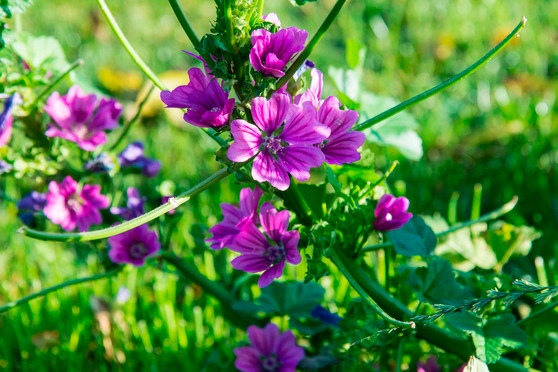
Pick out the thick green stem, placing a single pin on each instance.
(446, 84)
(184, 23)
(315, 39)
(485, 217)
(223, 295)
(44, 292)
(441, 338)
(345, 265)
(128, 225)
(126, 44)
(48, 89)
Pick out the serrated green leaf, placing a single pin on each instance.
(415, 238)
(42, 52)
(9, 7)
(293, 299)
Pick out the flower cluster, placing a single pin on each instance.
(269, 350)
(264, 251)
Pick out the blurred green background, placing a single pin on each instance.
(496, 129)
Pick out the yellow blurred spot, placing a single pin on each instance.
(118, 81)
(445, 46)
(171, 79)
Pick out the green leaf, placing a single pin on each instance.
(398, 131)
(437, 284)
(9, 7)
(40, 52)
(508, 240)
(293, 299)
(355, 53)
(314, 195)
(415, 238)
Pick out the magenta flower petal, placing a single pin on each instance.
(339, 121)
(314, 93)
(302, 126)
(267, 168)
(274, 224)
(248, 140)
(274, 272)
(297, 160)
(290, 242)
(247, 359)
(250, 240)
(6, 131)
(269, 115)
(265, 341)
(343, 149)
(290, 356)
(250, 263)
(272, 18)
(272, 52)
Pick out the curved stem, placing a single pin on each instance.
(44, 292)
(315, 39)
(440, 87)
(48, 89)
(128, 225)
(485, 217)
(343, 264)
(223, 295)
(128, 125)
(126, 44)
(184, 23)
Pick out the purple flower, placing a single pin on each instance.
(6, 119)
(69, 207)
(282, 139)
(5, 167)
(342, 144)
(225, 231)
(314, 93)
(132, 156)
(266, 252)
(325, 316)
(29, 205)
(270, 350)
(431, 365)
(271, 52)
(207, 102)
(102, 163)
(82, 118)
(134, 246)
(134, 205)
(391, 213)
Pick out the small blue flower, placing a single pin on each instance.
(325, 316)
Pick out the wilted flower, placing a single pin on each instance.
(102, 163)
(132, 156)
(207, 102)
(226, 230)
(82, 118)
(270, 350)
(282, 139)
(266, 252)
(391, 213)
(272, 52)
(134, 246)
(29, 205)
(134, 205)
(69, 207)
(6, 119)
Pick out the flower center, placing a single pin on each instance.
(75, 203)
(389, 217)
(273, 144)
(276, 254)
(270, 363)
(215, 109)
(137, 250)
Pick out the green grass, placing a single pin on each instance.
(505, 145)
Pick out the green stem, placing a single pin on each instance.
(48, 89)
(126, 44)
(486, 217)
(387, 258)
(128, 225)
(537, 313)
(345, 266)
(44, 292)
(260, 8)
(184, 23)
(223, 295)
(229, 26)
(446, 340)
(128, 125)
(315, 39)
(446, 84)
